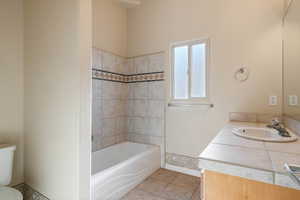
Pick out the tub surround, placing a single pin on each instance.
(255, 160)
(128, 99)
(146, 103)
(109, 102)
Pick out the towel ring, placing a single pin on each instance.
(242, 74)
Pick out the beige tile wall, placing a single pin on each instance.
(109, 102)
(128, 111)
(146, 103)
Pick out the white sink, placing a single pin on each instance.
(263, 134)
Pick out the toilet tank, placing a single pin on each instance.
(6, 163)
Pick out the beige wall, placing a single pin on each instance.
(85, 144)
(110, 26)
(11, 80)
(292, 59)
(57, 102)
(242, 33)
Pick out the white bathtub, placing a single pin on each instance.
(118, 169)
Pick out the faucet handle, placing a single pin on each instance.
(275, 122)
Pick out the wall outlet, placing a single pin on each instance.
(273, 100)
(293, 100)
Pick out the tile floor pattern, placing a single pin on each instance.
(166, 185)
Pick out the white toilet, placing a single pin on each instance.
(6, 167)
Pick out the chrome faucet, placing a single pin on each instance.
(275, 124)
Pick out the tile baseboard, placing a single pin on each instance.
(182, 161)
(29, 193)
(253, 117)
(183, 170)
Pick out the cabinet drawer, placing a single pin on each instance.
(217, 186)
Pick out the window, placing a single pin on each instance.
(189, 70)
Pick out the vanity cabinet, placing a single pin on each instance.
(217, 186)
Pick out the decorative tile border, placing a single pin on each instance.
(145, 77)
(182, 161)
(29, 193)
(124, 78)
(253, 117)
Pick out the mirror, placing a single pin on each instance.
(291, 61)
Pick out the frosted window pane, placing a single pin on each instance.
(198, 75)
(181, 72)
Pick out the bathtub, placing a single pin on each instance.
(118, 169)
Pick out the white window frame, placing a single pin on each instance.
(191, 43)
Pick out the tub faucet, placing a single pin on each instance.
(275, 124)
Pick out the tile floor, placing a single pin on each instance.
(166, 185)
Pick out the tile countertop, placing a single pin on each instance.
(231, 150)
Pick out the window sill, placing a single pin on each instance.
(190, 104)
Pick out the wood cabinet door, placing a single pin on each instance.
(219, 186)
